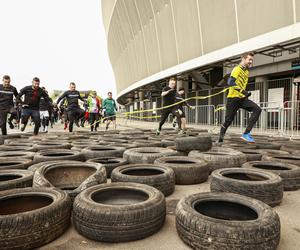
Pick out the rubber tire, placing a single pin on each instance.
(45, 145)
(110, 163)
(20, 163)
(24, 180)
(180, 153)
(164, 182)
(16, 148)
(42, 155)
(90, 153)
(290, 177)
(186, 174)
(140, 155)
(204, 232)
(31, 229)
(111, 223)
(219, 157)
(252, 154)
(267, 145)
(98, 177)
(200, 143)
(272, 152)
(269, 191)
(290, 159)
(18, 154)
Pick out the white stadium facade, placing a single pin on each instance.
(200, 41)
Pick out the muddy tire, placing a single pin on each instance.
(271, 152)
(110, 163)
(261, 185)
(159, 177)
(140, 212)
(17, 154)
(290, 159)
(9, 163)
(187, 170)
(147, 154)
(32, 217)
(10, 179)
(268, 145)
(252, 154)
(290, 174)
(220, 157)
(16, 148)
(227, 221)
(72, 177)
(57, 155)
(102, 151)
(51, 145)
(200, 143)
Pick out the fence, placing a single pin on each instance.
(276, 118)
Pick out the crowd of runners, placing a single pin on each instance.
(33, 102)
(32, 105)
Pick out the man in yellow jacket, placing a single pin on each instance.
(238, 98)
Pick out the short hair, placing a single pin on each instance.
(249, 53)
(6, 77)
(109, 93)
(173, 78)
(36, 79)
(72, 83)
(180, 89)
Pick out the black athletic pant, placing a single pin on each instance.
(94, 117)
(73, 114)
(35, 116)
(232, 106)
(165, 114)
(3, 119)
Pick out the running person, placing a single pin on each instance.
(7, 93)
(30, 108)
(179, 98)
(74, 112)
(238, 98)
(45, 106)
(94, 106)
(168, 95)
(109, 109)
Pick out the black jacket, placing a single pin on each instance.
(45, 104)
(32, 97)
(72, 98)
(7, 96)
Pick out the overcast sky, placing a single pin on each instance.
(58, 41)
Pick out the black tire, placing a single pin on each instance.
(102, 151)
(179, 153)
(72, 177)
(267, 145)
(16, 148)
(290, 159)
(57, 155)
(159, 177)
(110, 163)
(19, 163)
(272, 152)
(32, 217)
(10, 179)
(220, 157)
(200, 143)
(290, 174)
(187, 170)
(252, 154)
(147, 143)
(147, 154)
(17, 154)
(140, 212)
(51, 145)
(227, 221)
(261, 185)
(167, 143)
(290, 147)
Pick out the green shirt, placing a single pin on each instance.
(110, 106)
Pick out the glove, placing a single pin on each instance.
(246, 93)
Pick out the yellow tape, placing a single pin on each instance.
(174, 104)
(219, 109)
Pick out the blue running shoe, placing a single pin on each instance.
(248, 138)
